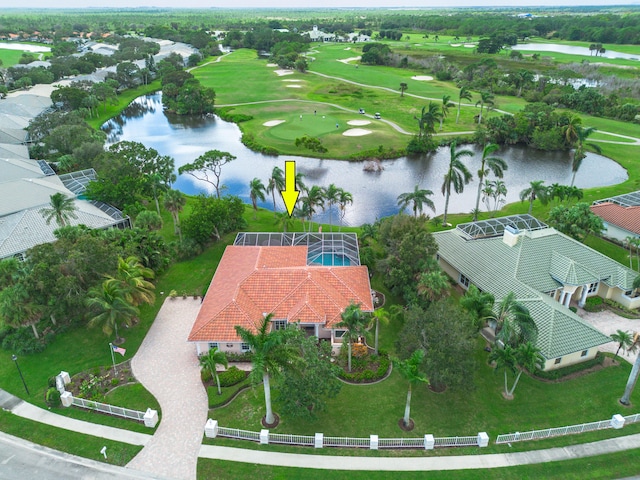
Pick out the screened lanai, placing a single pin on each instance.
(495, 227)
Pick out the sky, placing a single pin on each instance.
(314, 3)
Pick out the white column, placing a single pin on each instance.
(562, 295)
(567, 300)
(583, 297)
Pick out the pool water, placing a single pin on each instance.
(330, 259)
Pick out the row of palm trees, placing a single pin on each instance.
(312, 198)
(457, 176)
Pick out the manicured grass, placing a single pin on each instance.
(615, 465)
(79, 444)
(9, 57)
(227, 393)
(133, 396)
(124, 99)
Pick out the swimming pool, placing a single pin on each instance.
(330, 259)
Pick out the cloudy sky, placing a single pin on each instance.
(310, 3)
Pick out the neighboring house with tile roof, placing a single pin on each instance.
(546, 270)
(281, 276)
(620, 215)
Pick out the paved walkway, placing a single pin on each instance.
(168, 367)
(608, 322)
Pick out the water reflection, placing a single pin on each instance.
(374, 194)
(571, 50)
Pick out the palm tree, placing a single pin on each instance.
(629, 242)
(410, 371)
(313, 199)
(61, 208)
(269, 355)
(570, 130)
(623, 339)
(111, 306)
(464, 94)
(211, 360)
(444, 108)
(133, 276)
(457, 175)
(512, 323)
(486, 98)
(579, 153)
(505, 359)
(535, 190)
(275, 182)
(331, 195)
(522, 77)
(433, 285)
(379, 315)
(344, 199)
(427, 119)
(419, 197)
(479, 304)
(174, 202)
(283, 220)
(633, 375)
(489, 164)
(526, 357)
(17, 310)
(403, 87)
(256, 192)
(353, 320)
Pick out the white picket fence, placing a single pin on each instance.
(110, 409)
(212, 430)
(616, 422)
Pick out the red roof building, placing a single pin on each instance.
(253, 281)
(620, 221)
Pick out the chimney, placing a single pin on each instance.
(511, 235)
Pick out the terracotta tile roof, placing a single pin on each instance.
(627, 218)
(251, 281)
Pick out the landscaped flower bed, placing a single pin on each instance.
(366, 367)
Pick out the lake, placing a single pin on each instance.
(554, 47)
(374, 194)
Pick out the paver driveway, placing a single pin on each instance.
(608, 322)
(168, 367)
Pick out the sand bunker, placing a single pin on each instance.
(348, 60)
(293, 86)
(356, 132)
(283, 72)
(291, 80)
(273, 123)
(358, 123)
(348, 48)
(422, 78)
(469, 46)
(456, 44)
(272, 64)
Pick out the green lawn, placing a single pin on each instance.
(9, 57)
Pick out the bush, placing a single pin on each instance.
(114, 382)
(239, 357)
(232, 376)
(205, 375)
(573, 309)
(578, 367)
(53, 397)
(593, 304)
(22, 342)
(51, 382)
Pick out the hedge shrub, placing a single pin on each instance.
(578, 367)
(232, 376)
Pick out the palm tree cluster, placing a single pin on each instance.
(545, 193)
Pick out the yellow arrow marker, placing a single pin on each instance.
(290, 194)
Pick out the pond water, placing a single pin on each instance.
(25, 47)
(554, 47)
(374, 194)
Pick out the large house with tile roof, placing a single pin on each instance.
(620, 215)
(546, 270)
(303, 278)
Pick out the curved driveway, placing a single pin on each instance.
(166, 364)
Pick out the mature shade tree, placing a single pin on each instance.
(486, 98)
(257, 192)
(111, 307)
(479, 304)
(444, 108)
(464, 94)
(344, 198)
(302, 391)
(512, 322)
(579, 153)
(418, 198)
(209, 163)
(270, 354)
(525, 357)
(410, 371)
(457, 175)
(488, 164)
(353, 321)
(61, 207)
(211, 217)
(403, 88)
(577, 221)
(275, 182)
(211, 360)
(535, 190)
(174, 202)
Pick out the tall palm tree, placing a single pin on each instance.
(489, 164)
(464, 94)
(403, 87)
(256, 192)
(486, 98)
(427, 120)
(505, 359)
(284, 220)
(269, 355)
(61, 208)
(526, 357)
(110, 304)
(344, 198)
(275, 182)
(410, 371)
(433, 285)
(570, 130)
(133, 276)
(579, 153)
(457, 175)
(419, 197)
(353, 320)
(174, 202)
(331, 195)
(17, 309)
(522, 77)
(378, 315)
(623, 339)
(536, 189)
(633, 375)
(512, 322)
(444, 108)
(211, 360)
(313, 199)
(479, 304)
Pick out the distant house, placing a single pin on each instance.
(546, 270)
(303, 278)
(319, 36)
(620, 214)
